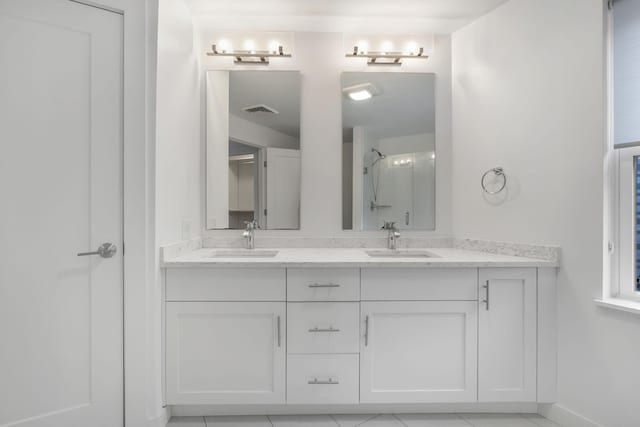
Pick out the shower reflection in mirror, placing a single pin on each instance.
(388, 124)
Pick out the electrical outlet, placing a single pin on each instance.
(186, 229)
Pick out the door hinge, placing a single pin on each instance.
(265, 163)
(265, 212)
(122, 248)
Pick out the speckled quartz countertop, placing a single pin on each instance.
(351, 257)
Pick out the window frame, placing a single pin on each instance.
(620, 197)
(624, 285)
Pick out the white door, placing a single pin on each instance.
(225, 352)
(283, 189)
(507, 335)
(418, 352)
(60, 194)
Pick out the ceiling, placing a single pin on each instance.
(405, 106)
(279, 90)
(466, 10)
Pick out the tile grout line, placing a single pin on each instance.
(204, 420)
(463, 419)
(372, 417)
(269, 419)
(399, 420)
(334, 420)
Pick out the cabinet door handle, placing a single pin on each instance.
(331, 329)
(331, 381)
(366, 331)
(486, 300)
(279, 333)
(324, 285)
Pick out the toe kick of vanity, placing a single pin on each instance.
(405, 335)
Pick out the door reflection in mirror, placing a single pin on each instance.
(253, 149)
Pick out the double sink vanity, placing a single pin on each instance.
(350, 326)
(314, 323)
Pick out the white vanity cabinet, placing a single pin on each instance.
(507, 335)
(349, 336)
(418, 351)
(220, 350)
(420, 335)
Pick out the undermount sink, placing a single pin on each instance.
(389, 253)
(244, 253)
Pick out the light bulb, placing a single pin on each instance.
(224, 45)
(274, 45)
(386, 46)
(363, 47)
(250, 46)
(411, 48)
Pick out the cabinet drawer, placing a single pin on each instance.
(323, 327)
(313, 284)
(225, 284)
(322, 378)
(406, 284)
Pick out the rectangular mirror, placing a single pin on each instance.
(253, 149)
(388, 150)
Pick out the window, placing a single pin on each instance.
(624, 48)
(628, 253)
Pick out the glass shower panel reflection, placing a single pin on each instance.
(394, 190)
(389, 150)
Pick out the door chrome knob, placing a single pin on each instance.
(106, 250)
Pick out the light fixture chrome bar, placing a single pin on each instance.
(384, 58)
(260, 57)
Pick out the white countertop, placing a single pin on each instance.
(339, 257)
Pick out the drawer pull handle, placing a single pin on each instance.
(486, 301)
(330, 381)
(366, 331)
(324, 285)
(331, 329)
(279, 333)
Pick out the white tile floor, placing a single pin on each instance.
(395, 420)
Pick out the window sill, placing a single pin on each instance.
(620, 304)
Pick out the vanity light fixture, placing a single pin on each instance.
(385, 58)
(388, 49)
(361, 92)
(250, 56)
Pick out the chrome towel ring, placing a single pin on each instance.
(498, 172)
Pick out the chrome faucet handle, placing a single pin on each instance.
(251, 225)
(389, 225)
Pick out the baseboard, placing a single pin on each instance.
(565, 416)
(205, 410)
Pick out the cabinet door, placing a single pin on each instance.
(507, 335)
(225, 352)
(418, 351)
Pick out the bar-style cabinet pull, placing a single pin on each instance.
(316, 381)
(366, 331)
(331, 329)
(324, 285)
(279, 333)
(486, 300)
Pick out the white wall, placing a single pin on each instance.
(178, 159)
(320, 59)
(179, 149)
(407, 143)
(256, 134)
(528, 95)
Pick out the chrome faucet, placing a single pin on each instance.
(249, 232)
(393, 234)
